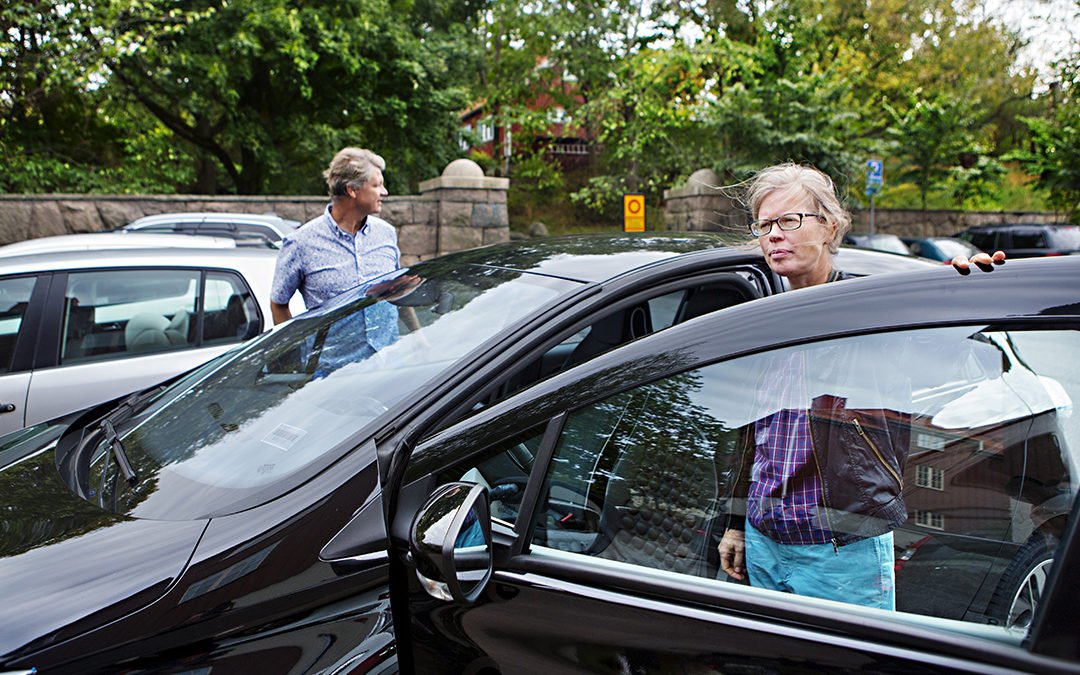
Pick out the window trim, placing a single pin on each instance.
(728, 603)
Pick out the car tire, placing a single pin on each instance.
(1017, 596)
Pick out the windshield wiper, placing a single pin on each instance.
(117, 449)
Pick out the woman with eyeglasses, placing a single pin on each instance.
(816, 497)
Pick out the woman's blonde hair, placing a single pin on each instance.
(810, 182)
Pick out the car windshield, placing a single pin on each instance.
(251, 424)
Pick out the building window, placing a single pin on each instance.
(464, 140)
(487, 130)
(930, 519)
(929, 477)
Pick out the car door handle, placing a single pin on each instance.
(7, 407)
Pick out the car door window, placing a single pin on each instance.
(116, 313)
(14, 300)
(959, 444)
(629, 321)
(230, 312)
(1028, 239)
(504, 468)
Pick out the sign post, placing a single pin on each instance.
(875, 176)
(633, 213)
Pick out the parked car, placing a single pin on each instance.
(82, 326)
(110, 240)
(890, 243)
(1025, 240)
(534, 480)
(940, 248)
(248, 229)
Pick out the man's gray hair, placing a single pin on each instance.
(351, 167)
(791, 177)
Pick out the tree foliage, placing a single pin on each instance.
(254, 96)
(257, 94)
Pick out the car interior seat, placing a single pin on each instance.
(611, 331)
(715, 296)
(177, 330)
(659, 508)
(146, 331)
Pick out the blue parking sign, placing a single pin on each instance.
(874, 172)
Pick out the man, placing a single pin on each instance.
(346, 245)
(811, 526)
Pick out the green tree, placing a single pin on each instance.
(928, 138)
(252, 95)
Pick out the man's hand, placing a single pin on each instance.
(733, 554)
(396, 288)
(984, 261)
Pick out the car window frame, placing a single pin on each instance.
(47, 347)
(34, 329)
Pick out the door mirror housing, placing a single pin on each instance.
(450, 543)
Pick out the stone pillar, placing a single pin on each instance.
(470, 207)
(702, 206)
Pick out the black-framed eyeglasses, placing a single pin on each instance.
(786, 222)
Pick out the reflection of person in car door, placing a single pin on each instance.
(784, 542)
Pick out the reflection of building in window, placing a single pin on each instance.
(929, 477)
(934, 521)
(929, 441)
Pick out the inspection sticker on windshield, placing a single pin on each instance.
(284, 436)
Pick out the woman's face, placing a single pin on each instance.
(801, 255)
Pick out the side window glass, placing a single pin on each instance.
(629, 323)
(230, 313)
(1030, 239)
(937, 486)
(504, 468)
(128, 312)
(14, 299)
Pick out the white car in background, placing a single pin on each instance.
(81, 326)
(247, 229)
(103, 240)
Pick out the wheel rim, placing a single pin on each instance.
(1027, 596)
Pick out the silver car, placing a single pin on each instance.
(79, 327)
(248, 229)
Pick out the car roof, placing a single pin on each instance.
(998, 226)
(136, 257)
(598, 257)
(225, 216)
(112, 240)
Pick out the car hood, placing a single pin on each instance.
(67, 566)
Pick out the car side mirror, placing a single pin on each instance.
(450, 543)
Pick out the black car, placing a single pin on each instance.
(535, 480)
(1025, 240)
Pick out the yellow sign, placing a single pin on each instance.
(633, 213)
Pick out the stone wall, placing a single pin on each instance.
(701, 206)
(461, 209)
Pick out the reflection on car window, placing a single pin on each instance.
(965, 450)
(280, 404)
(14, 299)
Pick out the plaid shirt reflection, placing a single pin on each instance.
(785, 489)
